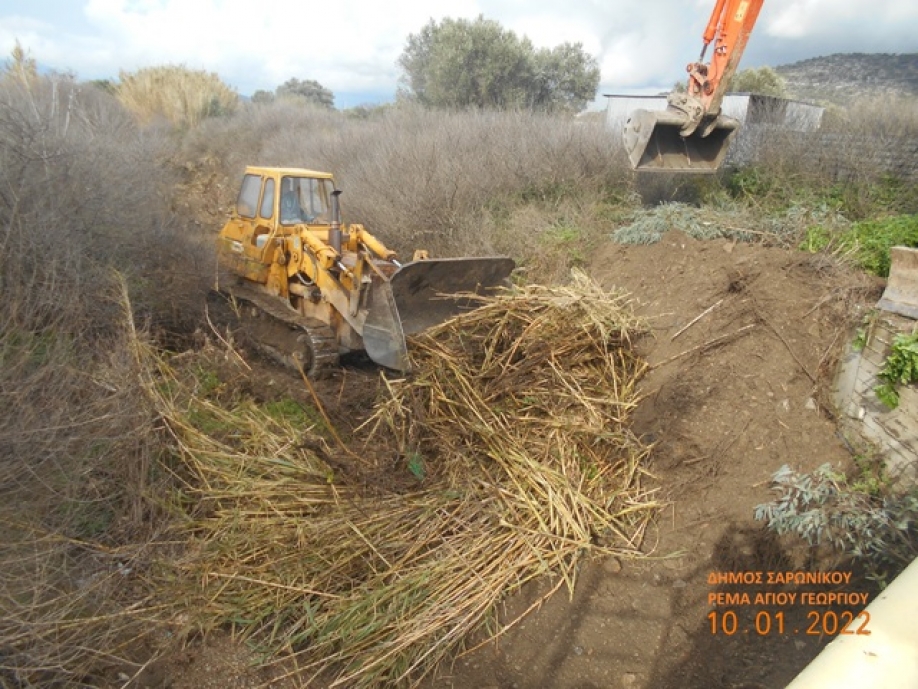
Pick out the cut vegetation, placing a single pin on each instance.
(516, 460)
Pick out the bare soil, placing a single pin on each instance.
(730, 398)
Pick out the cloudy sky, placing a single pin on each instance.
(351, 46)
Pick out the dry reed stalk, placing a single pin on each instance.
(518, 416)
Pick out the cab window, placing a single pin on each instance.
(247, 201)
(267, 200)
(304, 199)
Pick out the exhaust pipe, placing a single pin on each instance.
(654, 142)
(334, 231)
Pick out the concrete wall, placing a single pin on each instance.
(886, 658)
(618, 107)
(851, 155)
(894, 431)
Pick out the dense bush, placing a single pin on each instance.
(763, 80)
(862, 519)
(83, 224)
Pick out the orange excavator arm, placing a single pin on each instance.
(691, 135)
(728, 29)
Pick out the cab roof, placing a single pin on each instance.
(286, 171)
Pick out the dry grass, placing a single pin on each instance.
(75, 613)
(80, 197)
(515, 429)
(76, 471)
(179, 95)
(503, 469)
(423, 179)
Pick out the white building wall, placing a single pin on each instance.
(745, 107)
(618, 107)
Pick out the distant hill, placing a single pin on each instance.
(840, 77)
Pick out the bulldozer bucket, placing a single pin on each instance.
(423, 294)
(426, 292)
(653, 142)
(901, 294)
(383, 336)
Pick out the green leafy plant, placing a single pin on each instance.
(866, 242)
(416, 466)
(871, 523)
(901, 368)
(567, 240)
(871, 476)
(862, 336)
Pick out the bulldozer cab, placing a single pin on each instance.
(245, 238)
(305, 200)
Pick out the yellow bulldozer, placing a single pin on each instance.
(319, 288)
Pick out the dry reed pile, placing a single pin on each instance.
(515, 425)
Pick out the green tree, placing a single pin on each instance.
(460, 63)
(564, 78)
(263, 97)
(106, 85)
(309, 90)
(763, 80)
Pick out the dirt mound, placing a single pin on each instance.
(744, 343)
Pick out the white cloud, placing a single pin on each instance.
(348, 45)
(353, 45)
(816, 19)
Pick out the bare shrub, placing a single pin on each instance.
(76, 471)
(856, 159)
(429, 178)
(896, 116)
(80, 197)
(422, 178)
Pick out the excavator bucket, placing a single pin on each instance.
(901, 295)
(653, 142)
(422, 294)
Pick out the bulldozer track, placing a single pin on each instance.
(278, 332)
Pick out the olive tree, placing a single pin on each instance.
(458, 63)
(763, 80)
(309, 90)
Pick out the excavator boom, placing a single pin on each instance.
(692, 135)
